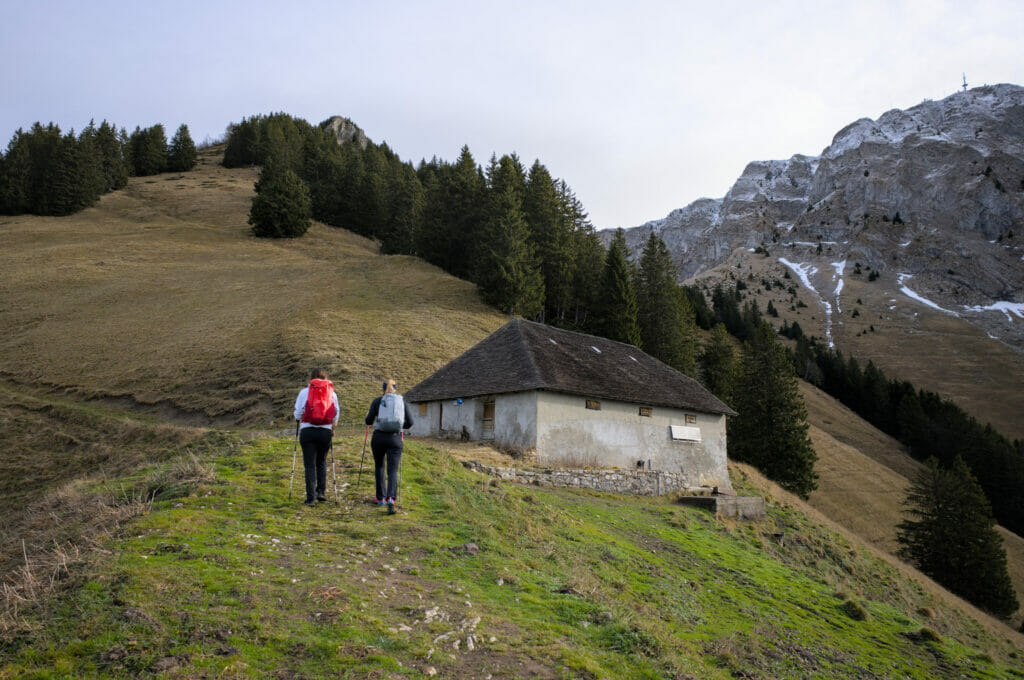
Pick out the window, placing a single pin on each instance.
(423, 408)
(645, 411)
(691, 420)
(593, 405)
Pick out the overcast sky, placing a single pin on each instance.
(642, 107)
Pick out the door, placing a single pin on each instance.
(487, 431)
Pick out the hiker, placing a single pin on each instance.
(389, 415)
(317, 411)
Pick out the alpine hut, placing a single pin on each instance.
(576, 400)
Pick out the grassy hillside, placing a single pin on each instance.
(158, 297)
(474, 578)
(863, 478)
(152, 345)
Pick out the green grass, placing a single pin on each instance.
(231, 579)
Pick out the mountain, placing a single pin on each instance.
(931, 198)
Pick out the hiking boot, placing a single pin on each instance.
(378, 501)
(322, 498)
(310, 502)
(391, 506)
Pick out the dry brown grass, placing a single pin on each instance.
(863, 478)
(774, 493)
(160, 297)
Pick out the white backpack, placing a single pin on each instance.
(391, 414)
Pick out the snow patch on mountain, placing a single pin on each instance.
(804, 272)
(1006, 308)
(914, 296)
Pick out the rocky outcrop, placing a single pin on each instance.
(344, 130)
(936, 191)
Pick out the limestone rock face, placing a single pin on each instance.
(344, 130)
(935, 191)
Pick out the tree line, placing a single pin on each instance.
(46, 172)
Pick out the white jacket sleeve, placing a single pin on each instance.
(337, 408)
(300, 403)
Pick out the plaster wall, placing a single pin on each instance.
(515, 419)
(447, 418)
(569, 434)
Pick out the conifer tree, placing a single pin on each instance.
(453, 216)
(112, 156)
(281, 207)
(15, 167)
(552, 231)
(148, 150)
(667, 327)
(588, 266)
(719, 365)
(771, 429)
(181, 155)
(405, 209)
(950, 535)
(508, 276)
(617, 309)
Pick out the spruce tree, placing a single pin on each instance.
(617, 309)
(281, 207)
(148, 150)
(589, 257)
(453, 215)
(552, 231)
(719, 365)
(181, 155)
(771, 429)
(112, 156)
(667, 327)
(15, 168)
(509, 277)
(950, 535)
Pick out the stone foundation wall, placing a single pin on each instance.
(634, 482)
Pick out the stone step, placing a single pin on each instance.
(728, 507)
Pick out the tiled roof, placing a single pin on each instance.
(523, 355)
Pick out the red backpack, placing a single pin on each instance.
(319, 403)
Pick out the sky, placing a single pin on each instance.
(641, 107)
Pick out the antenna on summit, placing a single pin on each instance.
(965, 82)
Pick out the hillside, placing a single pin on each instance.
(154, 344)
(224, 577)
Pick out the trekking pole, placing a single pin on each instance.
(401, 466)
(362, 457)
(334, 471)
(294, 450)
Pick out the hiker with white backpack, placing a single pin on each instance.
(317, 411)
(389, 415)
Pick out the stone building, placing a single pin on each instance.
(577, 401)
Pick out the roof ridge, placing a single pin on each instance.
(529, 352)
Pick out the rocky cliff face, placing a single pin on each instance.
(344, 130)
(935, 192)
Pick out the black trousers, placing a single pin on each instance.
(387, 449)
(315, 443)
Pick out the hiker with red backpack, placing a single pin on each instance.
(389, 415)
(317, 411)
